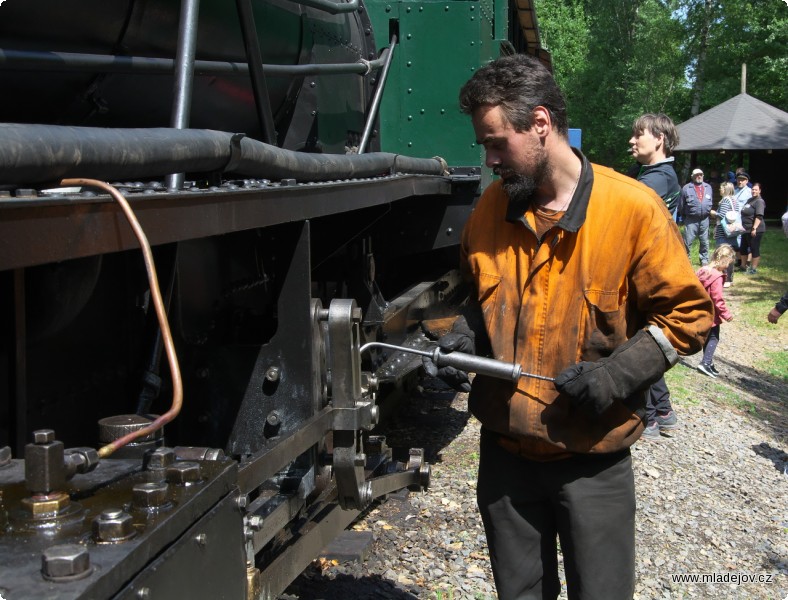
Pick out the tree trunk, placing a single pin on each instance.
(703, 44)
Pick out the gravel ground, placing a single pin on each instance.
(712, 499)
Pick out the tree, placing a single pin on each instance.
(614, 59)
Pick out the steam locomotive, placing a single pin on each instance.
(207, 213)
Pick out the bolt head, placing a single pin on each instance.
(43, 436)
(113, 525)
(65, 561)
(149, 495)
(161, 458)
(183, 472)
(272, 374)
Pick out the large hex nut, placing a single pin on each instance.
(183, 472)
(113, 526)
(150, 495)
(65, 562)
(46, 506)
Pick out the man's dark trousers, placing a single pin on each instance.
(587, 500)
(658, 401)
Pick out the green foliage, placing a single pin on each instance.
(616, 59)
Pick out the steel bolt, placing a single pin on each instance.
(43, 436)
(273, 419)
(65, 561)
(113, 525)
(183, 472)
(272, 374)
(161, 458)
(149, 495)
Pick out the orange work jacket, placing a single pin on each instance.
(615, 263)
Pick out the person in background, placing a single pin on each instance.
(573, 276)
(653, 138)
(743, 190)
(695, 205)
(754, 228)
(782, 305)
(727, 204)
(712, 277)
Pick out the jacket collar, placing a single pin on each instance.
(576, 213)
(658, 164)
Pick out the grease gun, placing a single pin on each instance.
(465, 362)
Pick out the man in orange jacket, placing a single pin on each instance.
(574, 272)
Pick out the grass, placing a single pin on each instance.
(750, 299)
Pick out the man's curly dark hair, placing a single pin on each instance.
(518, 84)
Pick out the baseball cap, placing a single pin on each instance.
(697, 172)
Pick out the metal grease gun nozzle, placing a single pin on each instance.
(465, 362)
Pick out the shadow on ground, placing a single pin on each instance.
(767, 393)
(425, 419)
(314, 585)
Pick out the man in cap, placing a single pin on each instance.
(694, 208)
(743, 191)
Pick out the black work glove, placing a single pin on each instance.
(632, 367)
(459, 339)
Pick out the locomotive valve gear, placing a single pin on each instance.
(461, 339)
(631, 368)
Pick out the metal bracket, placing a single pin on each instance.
(344, 319)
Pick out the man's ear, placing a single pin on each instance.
(542, 121)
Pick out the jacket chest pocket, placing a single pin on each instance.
(488, 287)
(604, 323)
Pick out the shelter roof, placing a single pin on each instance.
(741, 123)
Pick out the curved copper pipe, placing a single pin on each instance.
(158, 303)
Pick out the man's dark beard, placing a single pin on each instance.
(520, 188)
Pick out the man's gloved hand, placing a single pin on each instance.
(632, 367)
(459, 339)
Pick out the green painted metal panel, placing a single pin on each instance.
(441, 45)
